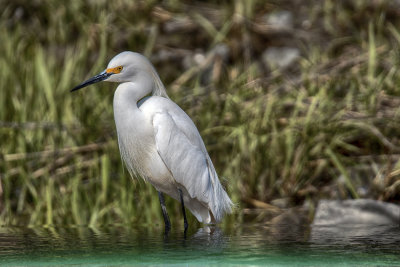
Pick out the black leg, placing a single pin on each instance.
(185, 223)
(164, 212)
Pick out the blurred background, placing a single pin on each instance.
(296, 101)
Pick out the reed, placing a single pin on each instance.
(326, 127)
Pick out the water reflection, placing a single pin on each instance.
(355, 234)
(242, 244)
(16, 240)
(208, 237)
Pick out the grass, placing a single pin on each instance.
(326, 127)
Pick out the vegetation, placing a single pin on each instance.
(326, 126)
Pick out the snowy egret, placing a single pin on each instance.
(159, 142)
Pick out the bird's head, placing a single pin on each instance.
(122, 68)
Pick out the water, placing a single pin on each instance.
(240, 246)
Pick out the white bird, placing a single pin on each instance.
(159, 142)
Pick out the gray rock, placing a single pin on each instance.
(198, 58)
(280, 202)
(195, 59)
(361, 221)
(280, 20)
(280, 57)
(221, 50)
(358, 211)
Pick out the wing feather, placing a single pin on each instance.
(186, 161)
(180, 146)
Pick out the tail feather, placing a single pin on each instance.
(215, 205)
(220, 203)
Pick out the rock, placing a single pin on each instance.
(221, 50)
(194, 59)
(292, 224)
(280, 20)
(361, 221)
(280, 57)
(199, 57)
(358, 211)
(281, 202)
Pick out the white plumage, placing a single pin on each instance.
(159, 142)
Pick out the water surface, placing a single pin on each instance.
(209, 246)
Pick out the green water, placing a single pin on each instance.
(240, 246)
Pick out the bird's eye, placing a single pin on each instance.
(120, 68)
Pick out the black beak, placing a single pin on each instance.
(98, 78)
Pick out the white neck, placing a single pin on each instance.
(132, 92)
(127, 115)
